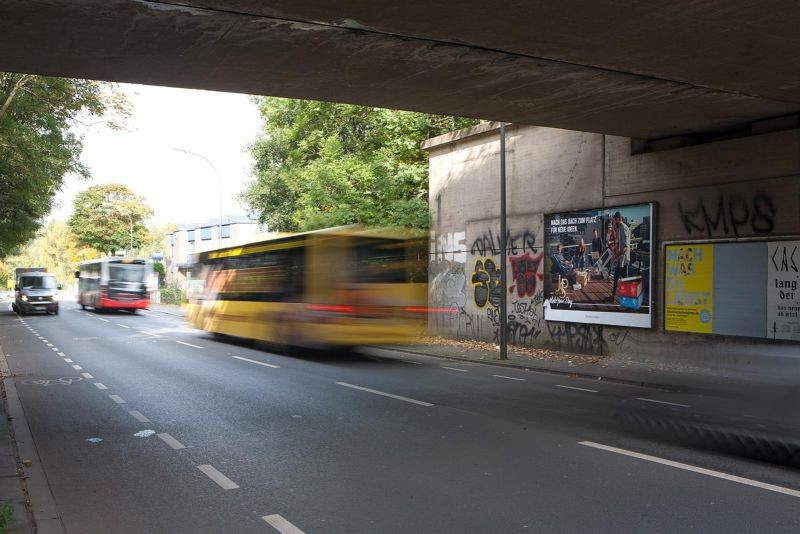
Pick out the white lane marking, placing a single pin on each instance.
(257, 363)
(148, 333)
(509, 378)
(223, 481)
(695, 469)
(384, 394)
(189, 345)
(139, 416)
(117, 399)
(104, 320)
(49, 344)
(412, 363)
(455, 369)
(77, 367)
(55, 349)
(663, 402)
(87, 375)
(172, 442)
(122, 325)
(576, 389)
(99, 385)
(61, 354)
(68, 360)
(280, 524)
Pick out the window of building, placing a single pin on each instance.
(205, 233)
(226, 230)
(190, 233)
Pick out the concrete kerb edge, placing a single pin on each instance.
(571, 374)
(40, 500)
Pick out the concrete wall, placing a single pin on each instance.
(551, 170)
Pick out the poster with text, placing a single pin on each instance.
(597, 266)
(783, 299)
(688, 288)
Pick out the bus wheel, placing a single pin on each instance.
(83, 306)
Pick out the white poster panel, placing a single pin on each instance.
(783, 290)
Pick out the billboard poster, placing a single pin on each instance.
(783, 293)
(597, 266)
(688, 286)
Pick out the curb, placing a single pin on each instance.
(41, 505)
(572, 374)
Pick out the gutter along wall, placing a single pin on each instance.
(744, 192)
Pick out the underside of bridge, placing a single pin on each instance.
(637, 69)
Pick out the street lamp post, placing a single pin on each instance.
(219, 185)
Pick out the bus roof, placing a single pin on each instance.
(291, 240)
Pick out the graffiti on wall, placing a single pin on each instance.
(486, 284)
(488, 243)
(525, 274)
(577, 337)
(729, 214)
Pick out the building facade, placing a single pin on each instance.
(208, 235)
(712, 233)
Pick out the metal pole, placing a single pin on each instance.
(131, 221)
(503, 254)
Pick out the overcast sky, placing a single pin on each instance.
(180, 188)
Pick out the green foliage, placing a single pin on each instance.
(6, 516)
(319, 164)
(158, 267)
(37, 146)
(103, 216)
(172, 294)
(54, 247)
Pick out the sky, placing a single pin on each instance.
(181, 188)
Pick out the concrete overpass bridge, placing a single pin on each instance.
(618, 67)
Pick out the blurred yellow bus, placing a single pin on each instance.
(340, 287)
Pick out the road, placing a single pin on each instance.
(143, 424)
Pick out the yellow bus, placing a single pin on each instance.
(341, 287)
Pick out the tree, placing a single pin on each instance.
(104, 215)
(55, 248)
(319, 164)
(37, 147)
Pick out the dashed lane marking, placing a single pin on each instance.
(148, 333)
(576, 389)
(509, 378)
(384, 394)
(189, 345)
(694, 469)
(280, 524)
(104, 320)
(61, 354)
(117, 399)
(663, 402)
(139, 416)
(87, 376)
(77, 367)
(172, 442)
(98, 385)
(257, 362)
(68, 360)
(455, 369)
(223, 481)
(122, 325)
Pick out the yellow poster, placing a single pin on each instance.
(688, 288)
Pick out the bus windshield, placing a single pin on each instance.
(126, 272)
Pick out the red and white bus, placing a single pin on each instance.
(114, 284)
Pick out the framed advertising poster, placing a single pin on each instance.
(597, 266)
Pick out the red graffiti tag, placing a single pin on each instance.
(525, 273)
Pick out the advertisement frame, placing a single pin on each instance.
(610, 318)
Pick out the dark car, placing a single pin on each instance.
(36, 292)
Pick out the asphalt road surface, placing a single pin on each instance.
(143, 424)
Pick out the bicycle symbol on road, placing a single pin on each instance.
(63, 381)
